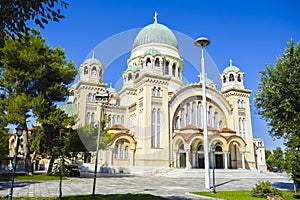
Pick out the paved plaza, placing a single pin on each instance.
(176, 184)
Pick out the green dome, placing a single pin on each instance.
(231, 68)
(152, 52)
(155, 33)
(209, 81)
(111, 90)
(92, 61)
(133, 68)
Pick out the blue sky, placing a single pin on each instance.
(252, 33)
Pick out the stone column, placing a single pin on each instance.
(132, 157)
(111, 156)
(175, 159)
(226, 159)
(187, 159)
(194, 158)
(243, 160)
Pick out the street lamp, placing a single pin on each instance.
(100, 98)
(202, 42)
(213, 149)
(19, 130)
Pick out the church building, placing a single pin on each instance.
(157, 120)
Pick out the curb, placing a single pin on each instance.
(201, 196)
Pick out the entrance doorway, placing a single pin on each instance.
(201, 160)
(219, 161)
(182, 160)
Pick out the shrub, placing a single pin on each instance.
(264, 190)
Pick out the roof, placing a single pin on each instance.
(155, 33)
(227, 130)
(118, 127)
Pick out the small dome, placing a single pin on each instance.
(231, 68)
(152, 52)
(155, 33)
(209, 81)
(69, 109)
(133, 68)
(111, 89)
(92, 60)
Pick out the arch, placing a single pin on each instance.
(125, 137)
(239, 79)
(129, 76)
(231, 77)
(156, 62)
(167, 67)
(85, 71)
(148, 62)
(174, 69)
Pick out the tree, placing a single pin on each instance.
(34, 78)
(15, 15)
(278, 100)
(4, 136)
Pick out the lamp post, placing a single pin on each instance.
(19, 130)
(213, 149)
(100, 98)
(202, 42)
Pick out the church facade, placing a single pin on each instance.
(157, 120)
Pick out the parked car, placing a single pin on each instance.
(276, 170)
(73, 171)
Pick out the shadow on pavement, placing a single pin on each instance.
(283, 185)
(227, 182)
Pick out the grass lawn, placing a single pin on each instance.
(102, 197)
(35, 177)
(245, 195)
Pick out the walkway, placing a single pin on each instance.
(172, 185)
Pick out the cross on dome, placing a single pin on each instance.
(230, 61)
(93, 55)
(155, 17)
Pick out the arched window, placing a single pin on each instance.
(118, 119)
(182, 118)
(153, 121)
(167, 68)
(137, 75)
(220, 125)
(224, 79)
(129, 76)
(121, 150)
(239, 78)
(174, 69)
(126, 152)
(122, 120)
(158, 128)
(194, 114)
(198, 115)
(87, 119)
(117, 155)
(154, 91)
(156, 63)
(113, 120)
(177, 121)
(148, 62)
(158, 92)
(215, 123)
(93, 119)
(209, 116)
(188, 114)
(89, 97)
(94, 71)
(85, 71)
(231, 78)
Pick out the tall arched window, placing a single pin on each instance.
(156, 63)
(129, 76)
(154, 91)
(87, 119)
(85, 71)
(158, 92)
(194, 114)
(182, 124)
(231, 78)
(167, 68)
(155, 128)
(148, 62)
(215, 123)
(198, 118)
(239, 78)
(188, 114)
(153, 121)
(126, 152)
(93, 119)
(209, 116)
(174, 69)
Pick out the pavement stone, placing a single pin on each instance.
(174, 185)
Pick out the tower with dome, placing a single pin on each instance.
(156, 120)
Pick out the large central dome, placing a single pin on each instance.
(155, 33)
